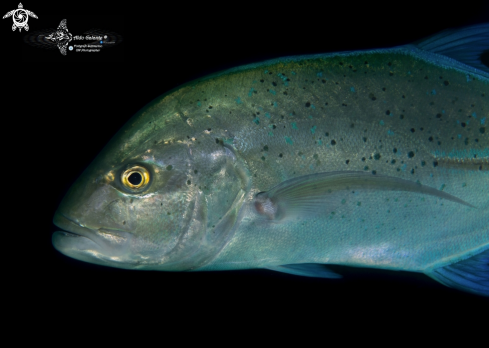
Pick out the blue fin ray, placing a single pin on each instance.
(471, 275)
(465, 45)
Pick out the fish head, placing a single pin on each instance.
(153, 199)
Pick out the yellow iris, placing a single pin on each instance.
(135, 177)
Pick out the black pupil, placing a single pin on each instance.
(135, 178)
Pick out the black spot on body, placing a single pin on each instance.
(377, 156)
(308, 104)
(410, 154)
(333, 142)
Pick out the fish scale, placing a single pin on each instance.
(370, 159)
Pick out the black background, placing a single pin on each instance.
(59, 112)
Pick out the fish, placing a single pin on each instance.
(375, 158)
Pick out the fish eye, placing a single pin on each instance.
(135, 177)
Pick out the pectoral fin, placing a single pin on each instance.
(306, 270)
(309, 195)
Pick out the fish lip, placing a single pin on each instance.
(72, 228)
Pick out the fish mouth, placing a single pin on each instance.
(102, 246)
(70, 227)
(74, 239)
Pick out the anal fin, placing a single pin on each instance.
(471, 275)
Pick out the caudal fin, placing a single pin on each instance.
(471, 275)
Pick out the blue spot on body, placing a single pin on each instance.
(381, 122)
(352, 89)
(320, 142)
(433, 92)
(270, 134)
(288, 140)
(250, 93)
(474, 115)
(404, 166)
(459, 136)
(274, 104)
(389, 132)
(238, 101)
(311, 167)
(310, 116)
(294, 125)
(483, 120)
(458, 122)
(272, 91)
(312, 106)
(313, 129)
(267, 115)
(443, 111)
(256, 120)
(199, 103)
(319, 74)
(266, 71)
(468, 78)
(254, 81)
(409, 73)
(293, 72)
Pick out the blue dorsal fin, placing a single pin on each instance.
(306, 270)
(471, 275)
(465, 45)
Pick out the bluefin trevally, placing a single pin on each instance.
(359, 159)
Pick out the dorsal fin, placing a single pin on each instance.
(465, 45)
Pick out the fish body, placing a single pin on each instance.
(370, 159)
